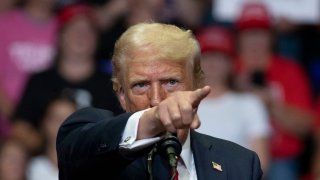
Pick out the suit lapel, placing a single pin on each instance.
(204, 157)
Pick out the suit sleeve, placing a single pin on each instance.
(256, 168)
(88, 143)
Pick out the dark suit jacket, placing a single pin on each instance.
(88, 148)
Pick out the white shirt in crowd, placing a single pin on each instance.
(41, 168)
(237, 117)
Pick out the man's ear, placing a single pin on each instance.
(121, 97)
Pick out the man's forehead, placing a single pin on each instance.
(150, 69)
(154, 66)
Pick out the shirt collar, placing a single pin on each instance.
(186, 154)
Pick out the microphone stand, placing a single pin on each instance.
(170, 148)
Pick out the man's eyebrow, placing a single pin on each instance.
(137, 80)
(172, 76)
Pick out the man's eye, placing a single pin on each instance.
(139, 85)
(172, 82)
(171, 85)
(140, 88)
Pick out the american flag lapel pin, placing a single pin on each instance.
(216, 166)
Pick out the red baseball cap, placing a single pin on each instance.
(215, 38)
(69, 12)
(254, 15)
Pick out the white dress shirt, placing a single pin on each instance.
(186, 167)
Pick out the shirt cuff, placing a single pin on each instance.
(129, 136)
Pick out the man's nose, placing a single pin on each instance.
(157, 94)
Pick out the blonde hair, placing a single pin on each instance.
(168, 41)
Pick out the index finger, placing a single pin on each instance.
(199, 95)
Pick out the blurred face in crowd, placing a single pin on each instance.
(216, 66)
(144, 10)
(79, 37)
(255, 47)
(56, 113)
(13, 159)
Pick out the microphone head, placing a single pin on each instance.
(169, 145)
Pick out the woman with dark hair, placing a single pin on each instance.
(74, 71)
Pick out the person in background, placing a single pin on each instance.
(280, 83)
(45, 166)
(13, 160)
(115, 16)
(159, 82)
(225, 113)
(191, 14)
(27, 46)
(74, 71)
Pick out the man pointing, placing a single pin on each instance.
(159, 82)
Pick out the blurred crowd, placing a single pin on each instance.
(55, 58)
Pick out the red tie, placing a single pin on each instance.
(176, 175)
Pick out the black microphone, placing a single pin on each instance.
(170, 147)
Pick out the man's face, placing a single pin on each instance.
(216, 66)
(79, 37)
(147, 82)
(255, 47)
(255, 40)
